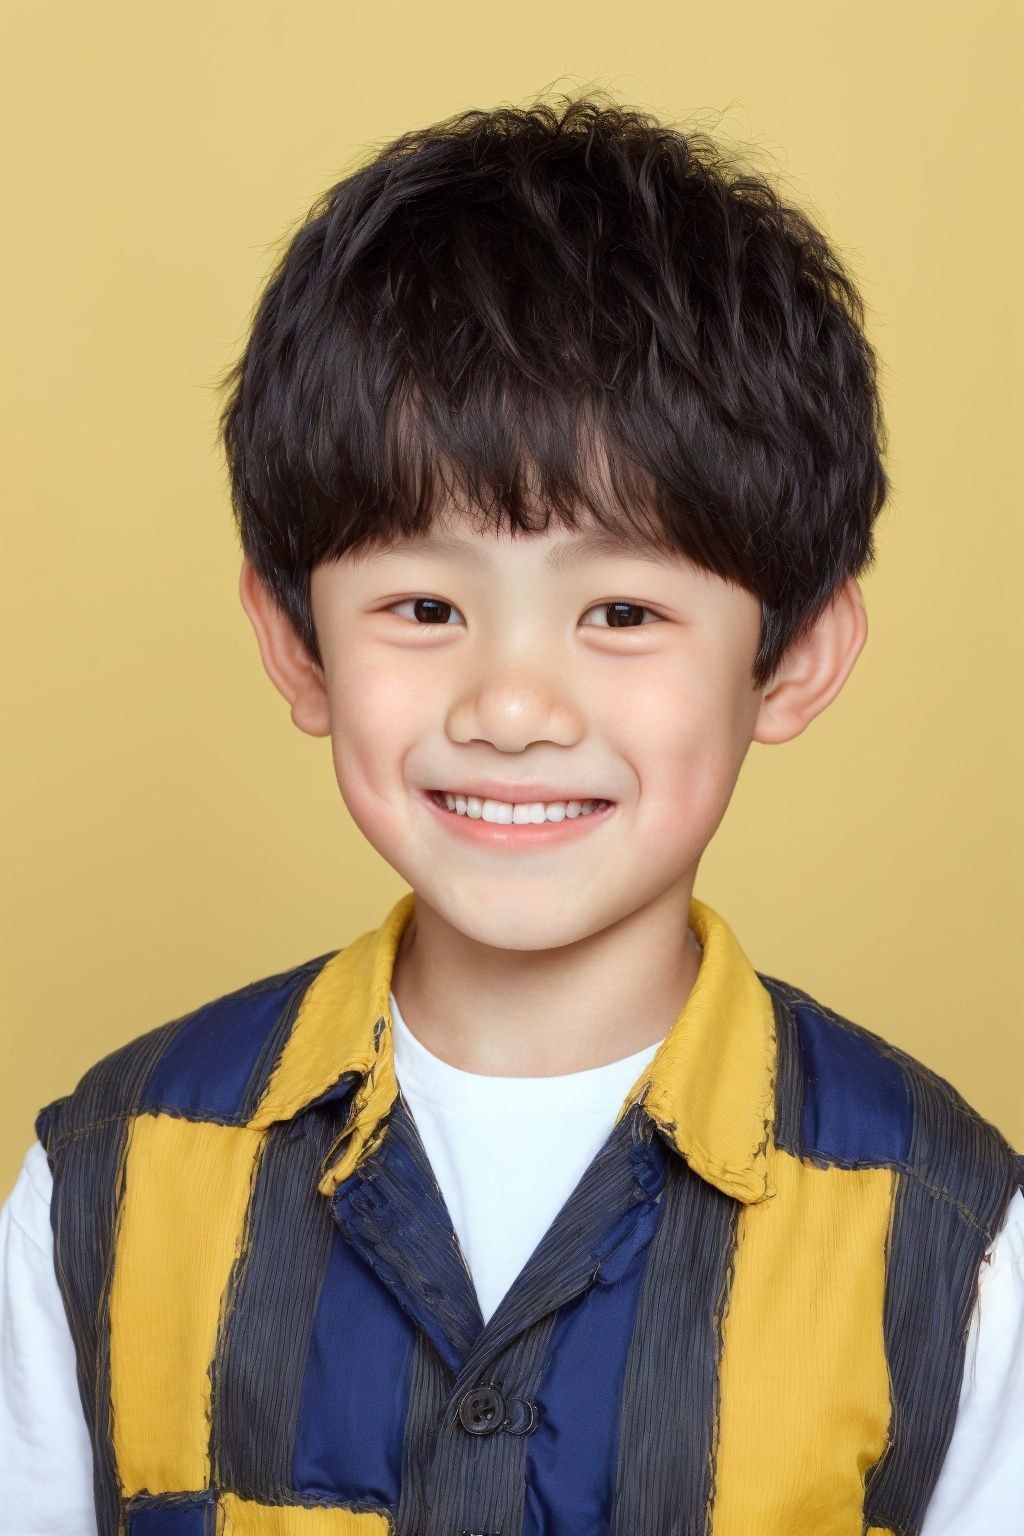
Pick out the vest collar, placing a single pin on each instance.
(709, 1088)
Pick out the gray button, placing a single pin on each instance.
(481, 1410)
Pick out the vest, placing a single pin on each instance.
(748, 1319)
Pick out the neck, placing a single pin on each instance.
(539, 1013)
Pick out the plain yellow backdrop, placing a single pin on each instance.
(168, 834)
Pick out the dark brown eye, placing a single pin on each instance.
(622, 615)
(426, 610)
(431, 611)
(620, 612)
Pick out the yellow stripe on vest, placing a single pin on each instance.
(180, 1228)
(804, 1375)
(237, 1517)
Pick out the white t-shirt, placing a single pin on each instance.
(531, 1138)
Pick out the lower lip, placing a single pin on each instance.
(543, 834)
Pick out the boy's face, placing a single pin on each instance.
(494, 666)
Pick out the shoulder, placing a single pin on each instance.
(27, 1207)
(211, 1063)
(847, 1097)
(1011, 1243)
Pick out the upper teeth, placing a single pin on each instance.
(508, 811)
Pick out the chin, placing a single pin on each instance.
(514, 922)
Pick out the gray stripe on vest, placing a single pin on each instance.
(478, 1482)
(670, 1393)
(273, 1289)
(789, 1081)
(428, 1392)
(947, 1212)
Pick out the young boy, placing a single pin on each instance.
(536, 1210)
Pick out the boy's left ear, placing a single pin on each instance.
(815, 668)
(289, 666)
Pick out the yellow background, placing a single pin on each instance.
(168, 834)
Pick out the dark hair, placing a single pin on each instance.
(546, 308)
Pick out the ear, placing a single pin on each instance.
(815, 668)
(292, 671)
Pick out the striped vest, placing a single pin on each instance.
(748, 1319)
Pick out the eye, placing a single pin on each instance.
(434, 610)
(622, 615)
(426, 610)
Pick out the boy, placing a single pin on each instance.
(535, 1209)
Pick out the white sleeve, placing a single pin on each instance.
(980, 1491)
(46, 1461)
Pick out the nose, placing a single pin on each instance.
(514, 710)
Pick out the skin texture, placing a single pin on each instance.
(532, 962)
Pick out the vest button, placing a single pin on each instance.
(481, 1410)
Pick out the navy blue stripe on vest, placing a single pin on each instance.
(355, 1389)
(392, 1210)
(181, 1515)
(570, 1480)
(210, 1067)
(856, 1108)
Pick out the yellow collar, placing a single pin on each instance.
(710, 1086)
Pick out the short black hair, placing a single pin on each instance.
(563, 306)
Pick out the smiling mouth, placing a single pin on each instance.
(506, 813)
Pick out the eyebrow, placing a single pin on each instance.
(560, 557)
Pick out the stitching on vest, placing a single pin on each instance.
(172, 1110)
(899, 1166)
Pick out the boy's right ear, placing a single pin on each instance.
(289, 667)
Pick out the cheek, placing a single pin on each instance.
(376, 717)
(683, 743)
